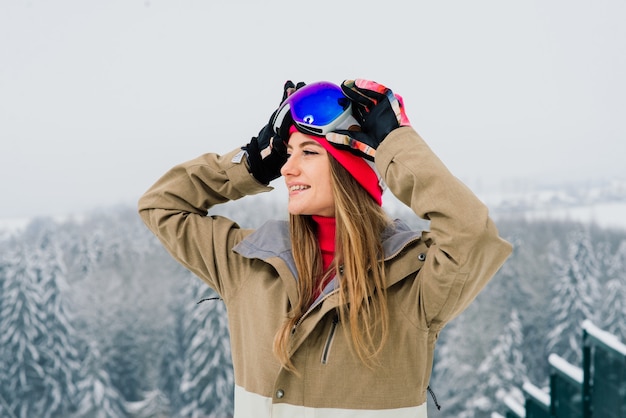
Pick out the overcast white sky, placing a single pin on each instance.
(98, 98)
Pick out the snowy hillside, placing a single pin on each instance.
(12, 225)
(602, 203)
(104, 285)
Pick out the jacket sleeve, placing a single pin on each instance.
(464, 248)
(175, 209)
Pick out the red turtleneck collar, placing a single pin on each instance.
(326, 238)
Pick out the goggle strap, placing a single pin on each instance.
(345, 141)
(282, 121)
(285, 125)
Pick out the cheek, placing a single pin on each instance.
(327, 185)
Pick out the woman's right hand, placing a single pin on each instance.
(267, 152)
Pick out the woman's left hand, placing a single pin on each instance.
(377, 109)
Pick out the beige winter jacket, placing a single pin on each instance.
(432, 277)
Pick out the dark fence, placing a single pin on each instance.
(597, 390)
(566, 389)
(604, 363)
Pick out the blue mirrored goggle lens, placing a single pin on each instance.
(318, 104)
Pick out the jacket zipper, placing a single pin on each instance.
(297, 324)
(389, 257)
(329, 340)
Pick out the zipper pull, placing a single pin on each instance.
(432, 395)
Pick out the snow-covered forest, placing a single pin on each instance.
(97, 320)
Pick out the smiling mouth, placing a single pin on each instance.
(298, 188)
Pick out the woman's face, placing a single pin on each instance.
(308, 179)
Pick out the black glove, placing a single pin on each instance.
(377, 109)
(267, 152)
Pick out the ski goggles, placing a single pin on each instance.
(315, 109)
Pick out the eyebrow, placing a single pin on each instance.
(306, 143)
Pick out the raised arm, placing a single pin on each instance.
(465, 250)
(175, 210)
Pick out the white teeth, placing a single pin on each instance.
(298, 187)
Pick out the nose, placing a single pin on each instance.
(290, 167)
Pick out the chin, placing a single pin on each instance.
(299, 212)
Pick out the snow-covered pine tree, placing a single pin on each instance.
(613, 308)
(58, 348)
(125, 362)
(524, 283)
(121, 286)
(576, 294)
(23, 326)
(453, 372)
(501, 374)
(170, 365)
(207, 382)
(153, 404)
(38, 342)
(84, 251)
(96, 395)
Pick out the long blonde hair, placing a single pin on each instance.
(358, 261)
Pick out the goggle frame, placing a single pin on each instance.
(323, 101)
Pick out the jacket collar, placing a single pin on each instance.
(272, 240)
(271, 243)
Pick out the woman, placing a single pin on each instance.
(336, 312)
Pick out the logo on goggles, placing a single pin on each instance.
(315, 109)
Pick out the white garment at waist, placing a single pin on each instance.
(252, 405)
